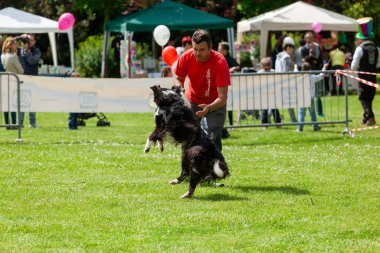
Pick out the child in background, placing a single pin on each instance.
(266, 64)
(302, 110)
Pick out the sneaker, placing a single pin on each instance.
(299, 130)
(317, 129)
(34, 126)
(11, 127)
(371, 122)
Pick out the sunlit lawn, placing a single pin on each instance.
(94, 190)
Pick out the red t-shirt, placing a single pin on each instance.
(204, 77)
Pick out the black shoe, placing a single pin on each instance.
(225, 134)
(11, 127)
(371, 122)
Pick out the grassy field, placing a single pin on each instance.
(94, 190)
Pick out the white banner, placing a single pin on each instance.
(270, 91)
(58, 94)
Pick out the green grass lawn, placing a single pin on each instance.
(94, 190)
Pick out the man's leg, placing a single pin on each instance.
(364, 101)
(215, 122)
(32, 119)
(21, 118)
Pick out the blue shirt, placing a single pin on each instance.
(1, 65)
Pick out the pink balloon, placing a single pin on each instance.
(317, 27)
(66, 21)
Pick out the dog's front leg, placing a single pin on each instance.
(149, 143)
(155, 137)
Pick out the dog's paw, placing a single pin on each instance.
(175, 181)
(148, 145)
(187, 195)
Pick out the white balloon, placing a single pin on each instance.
(161, 34)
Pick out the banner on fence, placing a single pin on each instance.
(58, 94)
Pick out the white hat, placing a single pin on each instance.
(288, 41)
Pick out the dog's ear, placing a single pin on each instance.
(156, 88)
(177, 89)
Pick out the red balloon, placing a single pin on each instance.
(169, 54)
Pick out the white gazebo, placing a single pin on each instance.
(295, 17)
(13, 21)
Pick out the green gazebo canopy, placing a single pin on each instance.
(175, 16)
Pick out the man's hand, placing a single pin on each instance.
(205, 109)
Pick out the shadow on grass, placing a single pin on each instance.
(283, 189)
(219, 197)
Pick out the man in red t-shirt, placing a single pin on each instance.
(209, 79)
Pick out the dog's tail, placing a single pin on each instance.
(220, 169)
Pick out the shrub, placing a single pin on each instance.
(88, 58)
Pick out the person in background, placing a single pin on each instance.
(266, 66)
(284, 64)
(367, 59)
(298, 54)
(278, 48)
(166, 72)
(302, 110)
(233, 66)
(337, 58)
(312, 54)
(209, 78)
(29, 56)
(116, 46)
(186, 45)
(1, 50)
(11, 63)
(73, 116)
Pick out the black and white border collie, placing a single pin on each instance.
(200, 158)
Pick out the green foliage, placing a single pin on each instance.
(251, 8)
(250, 42)
(142, 49)
(88, 58)
(245, 59)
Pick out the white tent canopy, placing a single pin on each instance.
(13, 21)
(295, 17)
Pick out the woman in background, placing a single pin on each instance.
(11, 63)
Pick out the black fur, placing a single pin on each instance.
(199, 153)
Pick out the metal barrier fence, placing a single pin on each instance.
(10, 84)
(282, 99)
